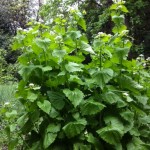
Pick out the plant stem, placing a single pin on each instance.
(100, 59)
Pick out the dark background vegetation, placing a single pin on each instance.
(15, 14)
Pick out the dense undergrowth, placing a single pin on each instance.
(9, 110)
(100, 105)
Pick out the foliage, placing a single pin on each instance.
(9, 109)
(13, 14)
(5, 50)
(71, 105)
(7, 71)
(138, 19)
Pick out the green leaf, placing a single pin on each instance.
(137, 144)
(12, 144)
(142, 99)
(56, 99)
(121, 104)
(76, 59)
(122, 52)
(115, 123)
(113, 6)
(129, 99)
(91, 108)
(53, 128)
(35, 76)
(54, 113)
(47, 68)
(73, 67)
(81, 146)
(69, 42)
(119, 29)
(127, 82)
(28, 126)
(76, 96)
(93, 140)
(60, 29)
(32, 96)
(49, 138)
(74, 128)
(36, 49)
(45, 106)
(138, 109)
(22, 120)
(42, 43)
(75, 78)
(127, 115)
(97, 44)
(101, 78)
(134, 132)
(59, 53)
(25, 72)
(118, 19)
(11, 114)
(110, 97)
(50, 134)
(124, 9)
(36, 145)
(144, 119)
(74, 35)
(110, 135)
(86, 47)
(82, 23)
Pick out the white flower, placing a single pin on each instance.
(125, 94)
(124, 32)
(119, 1)
(119, 7)
(100, 34)
(58, 38)
(144, 65)
(60, 16)
(138, 58)
(85, 133)
(72, 9)
(52, 33)
(19, 29)
(141, 55)
(61, 9)
(109, 35)
(31, 85)
(51, 20)
(6, 103)
(29, 29)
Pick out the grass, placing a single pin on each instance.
(7, 93)
(8, 103)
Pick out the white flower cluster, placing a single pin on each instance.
(148, 59)
(102, 34)
(125, 94)
(31, 85)
(6, 104)
(119, 1)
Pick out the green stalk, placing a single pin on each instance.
(100, 57)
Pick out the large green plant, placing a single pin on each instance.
(72, 105)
